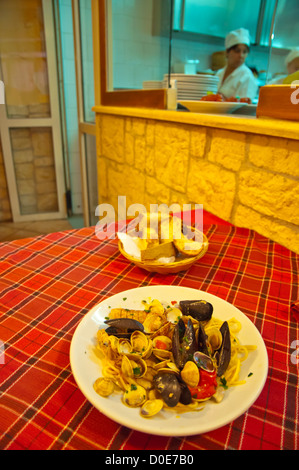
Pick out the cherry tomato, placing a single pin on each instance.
(245, 100)
(206, 386)
(212, 97)
(232, 99)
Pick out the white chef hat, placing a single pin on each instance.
(292, 55)
(240, 36)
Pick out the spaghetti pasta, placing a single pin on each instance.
(143, 366)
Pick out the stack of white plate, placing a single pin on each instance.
(153, 84)
(193, 87)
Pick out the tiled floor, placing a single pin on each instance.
(13, 231)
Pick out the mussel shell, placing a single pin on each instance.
(201, 310)
(189, 343)
(123, 327)
(169, 387)
(224, 353)
(176, 346)
(183, 347)
(202, 340)
(186, 397)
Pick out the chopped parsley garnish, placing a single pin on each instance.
(250, 374)
(137, 371)
(133, 387)
(223, 383)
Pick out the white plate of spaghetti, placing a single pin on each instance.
(92, 359)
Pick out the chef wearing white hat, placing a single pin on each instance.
(292, 66)
(236, 79)
(292, 61)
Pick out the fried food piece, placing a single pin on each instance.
(188, 247)
(139, 315)
(164, 250)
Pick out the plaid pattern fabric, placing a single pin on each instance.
(48, 283)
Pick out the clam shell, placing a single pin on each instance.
(151, 407)
(104, 386)
(190, 374)
(134, 395)
(163, 340)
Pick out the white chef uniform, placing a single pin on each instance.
(241, 82)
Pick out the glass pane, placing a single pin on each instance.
(286, 33)
(23, 59)
(92, 180)
(87, 59)
(218, 17)
(33, 158)
(138, 55)
(285, 51)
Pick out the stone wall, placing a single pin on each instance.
(250, 180)
(5, 212)
(33, 158)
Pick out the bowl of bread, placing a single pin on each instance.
(162, 243)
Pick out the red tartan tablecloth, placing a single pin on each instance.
(48, 283)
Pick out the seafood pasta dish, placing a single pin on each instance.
(173, 357)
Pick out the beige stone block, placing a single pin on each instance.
(172, 155)
(28, 202)
(113, 138)
(39, 110)
(179, 198)
(3, 182)
(138, 127)
(46, 187)
(5, 216)
(3, 191)
(45, 173)
(20, 111)
(102, 177)
(198, 142)
(150, 133)
(47, 202)
(279, 155)
(26, 187)
(128, 124)
(212, 186)
(157, 192)
(270, 194)
(129, 148)
(23, 156)
(42, 142)
(5, 205)
(227, 149)
(44, 161)
(128, 182)
(140, 153)
(20, 139)
(24, 171)
(286, 235)
(150, 161)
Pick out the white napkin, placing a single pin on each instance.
(130, 244)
